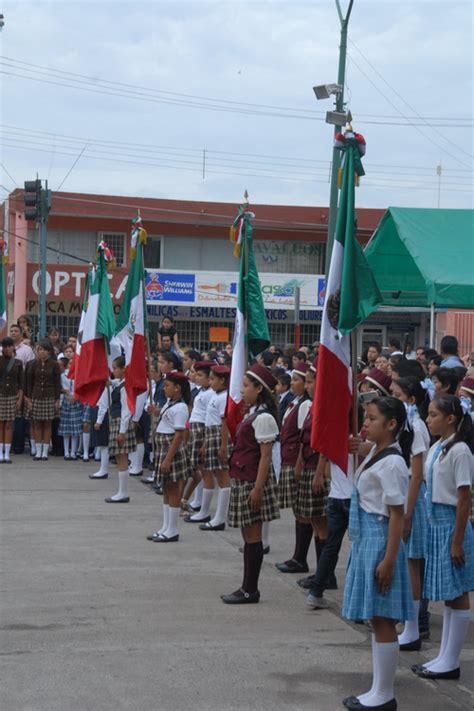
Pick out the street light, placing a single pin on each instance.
(324, 91)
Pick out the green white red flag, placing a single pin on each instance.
(3, 296)
(85, 301)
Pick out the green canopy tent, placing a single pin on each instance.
(424, 258)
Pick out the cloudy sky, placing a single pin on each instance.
(200, 100)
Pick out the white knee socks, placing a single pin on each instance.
(458, 626)
(104, 462)
(265, 534)
(86, 440)
(45, 449)
(122, 493)
(172, 530)
(385, 658)
(166, 518)
(223, 498)
(444, 636)
(197, 497)
(207, 495)
(1, 452)
(136, 459)
(411, 632)
(74, 445)
(67, 445)
(32, 447)
(7, 450)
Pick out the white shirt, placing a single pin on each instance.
(382, 485)
(200, 405)
(421, 439)
(303, 411)
(173, 418)
(450, 471)
(216, 408)
(24, 353)
(265, 426)
(291, 406)
(103, 405)
(125, 414)
(140, 405)
(341, 484)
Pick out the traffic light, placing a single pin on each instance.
(33, 199)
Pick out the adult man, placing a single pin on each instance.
(22, 351)
(11, 394)
(449, 352)
(373, 352)
(394, 346)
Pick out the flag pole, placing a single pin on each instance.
(246, 273)
(355, 393)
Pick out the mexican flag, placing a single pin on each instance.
(351, 295)
(251, 329)
(132, 320)
(73, 366)
(92, 369)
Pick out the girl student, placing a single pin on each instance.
(11, 395)
(197, 427)
(215, 454)
(70, 415)
(410, 391)
(287, 486)
(449, 572)
(99, 421)
(377, 581)
(122, 432)
(43, 390)
(172, 463)
(253, 493)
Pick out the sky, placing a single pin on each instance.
(203, 100)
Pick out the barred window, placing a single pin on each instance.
(116, 242)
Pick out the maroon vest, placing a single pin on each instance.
(245, 456)
(310, 457)
(290, 437)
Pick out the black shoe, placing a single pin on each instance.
(427, 674)
(7, 461)
(266, 550)
(137, 474)
(240, 597)
(194, 509)
(147, 483)
(153, 535)
(73, 458)
(188, 519)
(306, 583)
(164, 539)
(352, 702)
(44, 458)
(416, 667)
(109, 500)
(208, 527)
(411, 646)
(104, 476)
(67, 457)
(292, 566)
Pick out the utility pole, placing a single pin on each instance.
(336, 154)
(439, 172)
(37, 206)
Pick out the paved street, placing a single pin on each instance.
(96, 618)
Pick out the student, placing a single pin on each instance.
(135, 467)
(122, 432)
(172, 464)
(253, 499)
(449, 573)
(70, 414)
(11, 396)
(445, 381)
(43, 390)
(449, 352)
(283, 390)
(285, 362)
(377, 380)
(298, 358)
(190, 357)
(410, 391)
(377, 582)
(215, 454)
(99, 416)
(373, 352)
(167, 329)
(86, 432)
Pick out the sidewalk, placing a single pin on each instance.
(96, 618)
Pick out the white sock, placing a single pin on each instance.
(223, 498)
(444, 637)
(173, 519)
(265, 534)
(458, 628)
(38, 450)
(32, 447)
(7, 450)
(166, 518)
(385, 662)
(196, 501)
(411, 631)
(131, 461)
(86, 440)
(67, 445)
(140, 453)
(97, 454)
(362, 698)
(122, 493)
(74, 445)
(1, 452)
(45, 449)
(207, 495)
(104, 462)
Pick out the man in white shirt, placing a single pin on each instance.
(22, 351)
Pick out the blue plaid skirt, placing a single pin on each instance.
(443, 581)
(70, 418)
(86, 415)
(416, 544)
(362, 597)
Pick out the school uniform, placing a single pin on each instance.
(285, 400)
(121, 422)
(71, 411)
(289, 447)
(445, 474)
(378, 484)
(197, 425)
(173, 418)
(307, 504)
(100, 415)
(11, 383)
(43, 387)
(257, 427)
(416, 544)
(213, 431)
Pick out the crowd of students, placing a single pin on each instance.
(405, 498)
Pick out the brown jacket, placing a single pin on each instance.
(43, 380)
(13, 382)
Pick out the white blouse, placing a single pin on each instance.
(265, 426)
(291, 407)
(305, 407)
(450, 471)
(421, 438)
(173, 418)
(200, 405)
(383, 484)
(216, 408)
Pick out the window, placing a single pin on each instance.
(116, 242)
(152, 252)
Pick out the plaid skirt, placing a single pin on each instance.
(7, 408)
(43, 409)
(307, 504)
(180, 466)
(196, 440)
(86, 414)
(416, 544)
(213, 437)
(362, 597)
(130, 443)
(70, 418)
(287, 487)
(443, 580)
(240, 515)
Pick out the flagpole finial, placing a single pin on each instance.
(246, 197)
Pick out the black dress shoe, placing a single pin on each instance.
(240, 597)
(153, 535)
(208, 527)
(104, 476)
(427, 674)
(109, 500)
(411, 646)
(352, 702)
(67, 457)
(292, 566)
(195, 509)
(164, 539)
(416, 667)
(8, 461)
(189, 519)
(136, 474)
